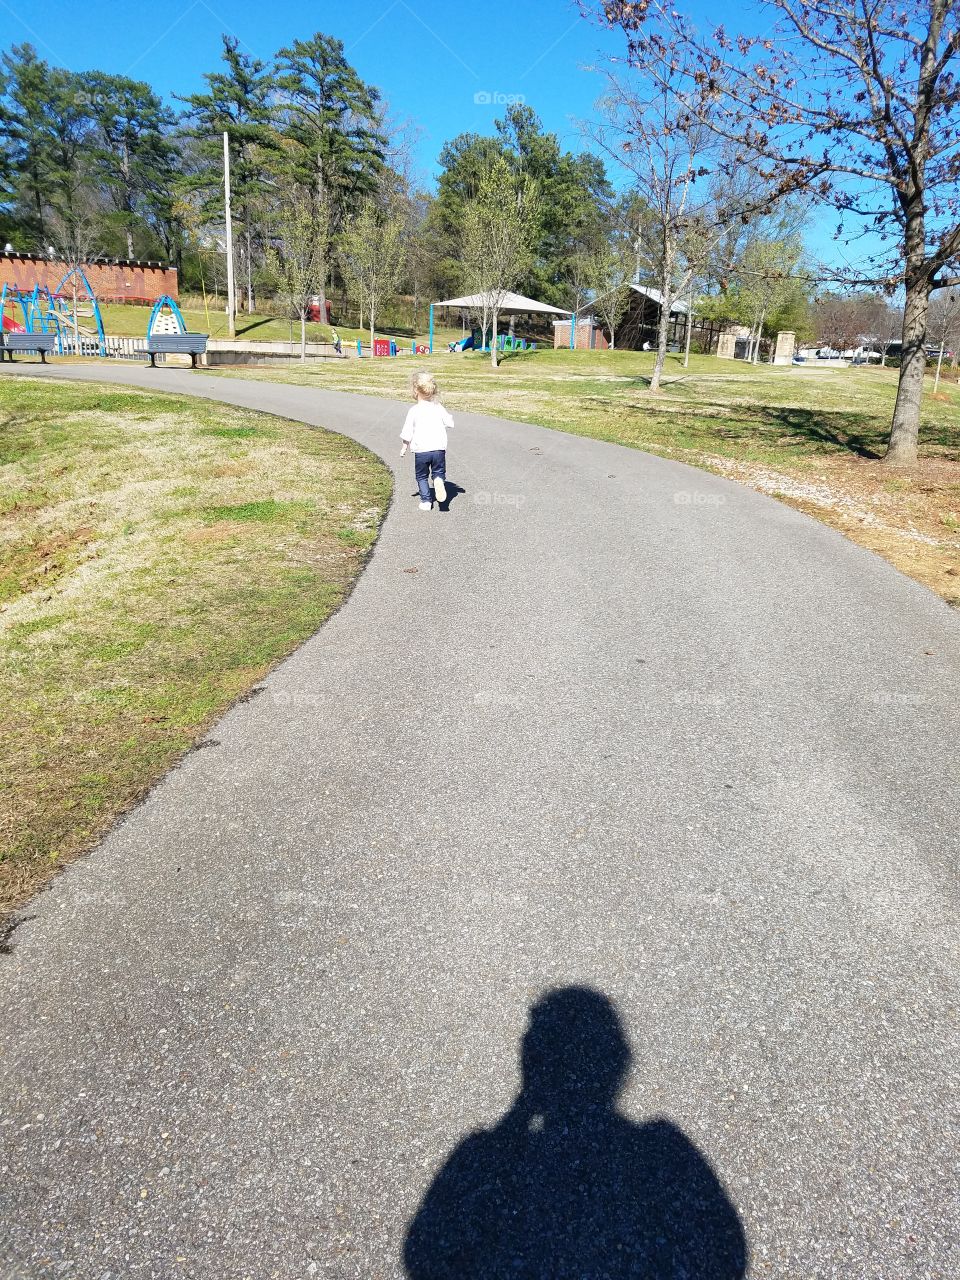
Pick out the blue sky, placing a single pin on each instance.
(430, 59)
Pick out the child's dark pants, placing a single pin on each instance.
(434, 461)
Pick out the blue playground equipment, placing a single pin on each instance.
(12, 297)
(58, 312)
(166, 317)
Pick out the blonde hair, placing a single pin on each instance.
(424, 384)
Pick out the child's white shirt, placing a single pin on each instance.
(426, 426)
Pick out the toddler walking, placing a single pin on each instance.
(425, 432)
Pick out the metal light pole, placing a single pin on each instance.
(231, 288)
(936, 381)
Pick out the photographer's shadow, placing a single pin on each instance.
(567, 1188)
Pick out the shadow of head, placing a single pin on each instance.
(575, 1055)
(565, 1185)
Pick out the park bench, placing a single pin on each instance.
(28, 343)
(177, 344)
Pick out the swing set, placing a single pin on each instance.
(70, 312)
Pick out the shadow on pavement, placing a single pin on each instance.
(567, 1188)
(453, 489)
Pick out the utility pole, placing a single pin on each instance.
(231, 289)
(936, 381)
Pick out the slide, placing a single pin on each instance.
(11, 326)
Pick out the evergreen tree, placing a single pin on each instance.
(240, 101)
(331, 125)
(47, 130)
(132, 153)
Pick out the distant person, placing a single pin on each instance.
(337, 344)
(425, 433)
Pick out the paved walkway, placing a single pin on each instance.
(615, 777)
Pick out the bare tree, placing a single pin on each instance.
(77, 236)
(686, 203)
(499, 225)
(611, 269)
(945, 327)
(302, 229)
(854, 101)
(372, 256)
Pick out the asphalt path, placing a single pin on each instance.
(581, 901)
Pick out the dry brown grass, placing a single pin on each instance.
(813, 436)
(157, 557)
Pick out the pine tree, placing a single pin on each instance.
(240, 102)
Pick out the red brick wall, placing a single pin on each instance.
(587, 338)
(110, 281)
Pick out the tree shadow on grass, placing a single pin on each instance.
(248, 326)
(783, 426)
(564, 1186)
(832, 430)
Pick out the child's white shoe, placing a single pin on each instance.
(440, 489)
(425, 506)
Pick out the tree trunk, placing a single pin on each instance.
(613, 340)
(686, 346)
(38, 200)
(662, 333)
(493, 340)
(249, 274)
(371, 327)
(902, 449)
(303, 334)
(756, 345)
(666, 302)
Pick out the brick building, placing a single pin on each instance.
(111, 279)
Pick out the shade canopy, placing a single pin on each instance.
(656, 297)
(514, 303)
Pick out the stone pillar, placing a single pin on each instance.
(726, 346)
(786, 346)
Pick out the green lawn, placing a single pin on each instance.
(158, 555)
(774, 415)
(813, 436)
(126, 321)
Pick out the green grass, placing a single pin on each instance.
(157, 556)
(821, 427)
(729, 409)
(126, 321)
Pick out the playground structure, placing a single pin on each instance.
(512, 305)
(70, 314)
(166, 317)
(61, 312)
(475, 341)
